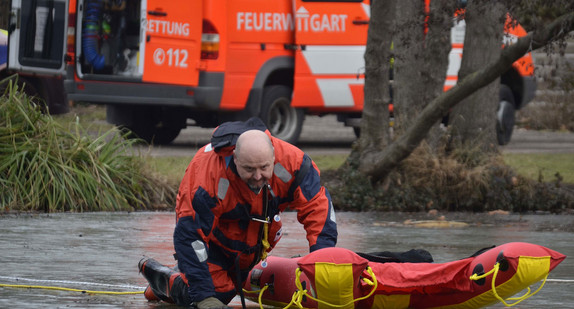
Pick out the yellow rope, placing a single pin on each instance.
(66, 289)
(519, 299)
(260, 297)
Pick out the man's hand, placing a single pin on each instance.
(212, 303)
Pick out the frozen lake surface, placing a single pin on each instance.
(100, 251)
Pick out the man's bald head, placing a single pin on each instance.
(253, 142)
(254, 157)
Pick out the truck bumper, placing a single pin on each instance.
(206, 96)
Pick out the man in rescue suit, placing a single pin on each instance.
(229, 213)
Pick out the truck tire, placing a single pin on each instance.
(282, 120)
(26, 86)
(155, 125)
(155, 134)
(55, 95)
(46, 92)
(505, 116)
(357, 131)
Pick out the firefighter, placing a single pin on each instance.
(228, 213)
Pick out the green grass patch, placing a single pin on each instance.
(544, 167)
(172, 168)
(329, 162)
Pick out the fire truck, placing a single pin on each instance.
(160, 66)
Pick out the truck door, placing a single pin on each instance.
(173, 42)
(329, 67)
(37, 36)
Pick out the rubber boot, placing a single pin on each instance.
(165, 283)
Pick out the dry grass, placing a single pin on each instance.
(464, 180)
(463, 170)
(553, 111)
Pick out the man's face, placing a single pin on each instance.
(255, 170)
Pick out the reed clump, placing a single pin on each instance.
(47, 167)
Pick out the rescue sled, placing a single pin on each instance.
(337, 277)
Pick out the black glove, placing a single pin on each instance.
(211, 303)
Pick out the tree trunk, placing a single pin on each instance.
(408, 52)
(421, 59)
(375, 119)
(472, 121)
(437, 49)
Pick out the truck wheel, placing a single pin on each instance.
(55, 95)
(282, 120)
(357, 131)
(153, 125)
(156, 134)
(28, 87)
(505, 116)
(47, 92)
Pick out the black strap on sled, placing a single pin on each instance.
(411, 256)
(481, 251)
(238, 271)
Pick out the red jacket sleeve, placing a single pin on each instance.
(314, 207)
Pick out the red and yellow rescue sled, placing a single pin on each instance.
(337, 277)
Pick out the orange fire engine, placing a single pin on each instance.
(158, 64)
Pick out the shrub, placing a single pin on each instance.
(464, 180)
(46, 167)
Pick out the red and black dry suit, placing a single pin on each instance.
(216, 211)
